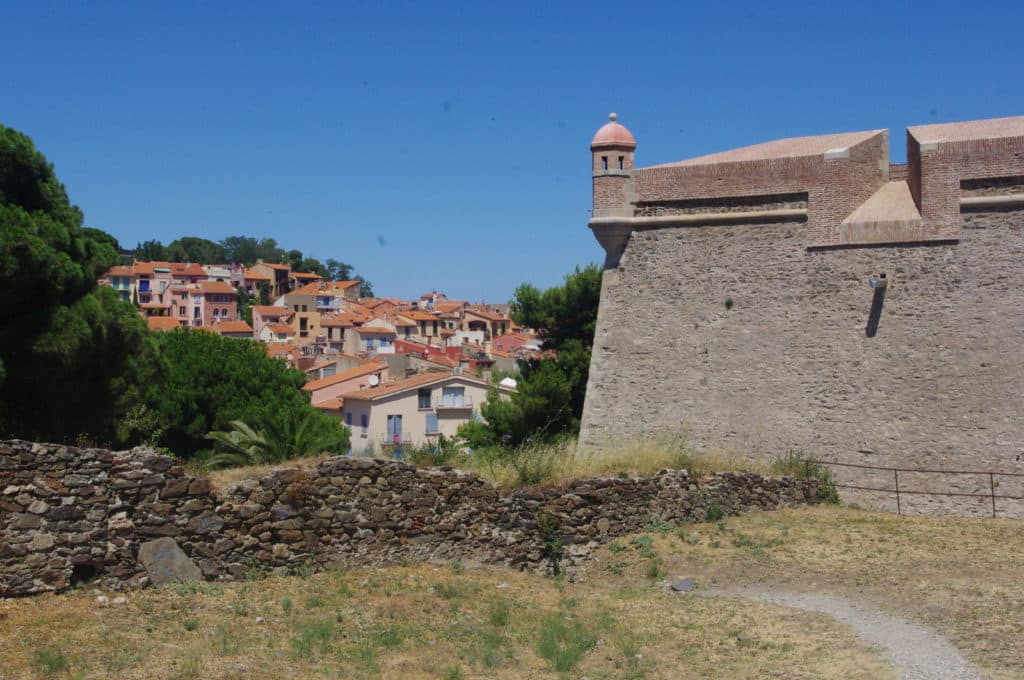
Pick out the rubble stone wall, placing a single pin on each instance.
(70, 514)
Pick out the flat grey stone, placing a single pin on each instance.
(166, 562)
(684, 585)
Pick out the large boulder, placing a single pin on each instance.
(166, 562)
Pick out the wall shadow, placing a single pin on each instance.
(876, 312)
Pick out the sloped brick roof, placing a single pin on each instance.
(993, 128)
(791, 147)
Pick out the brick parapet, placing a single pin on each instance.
(938, 168)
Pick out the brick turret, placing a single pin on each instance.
(612, 156)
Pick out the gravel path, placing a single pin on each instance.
(916, 652)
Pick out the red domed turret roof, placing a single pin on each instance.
(612, 134)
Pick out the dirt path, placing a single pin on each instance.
(916, 652)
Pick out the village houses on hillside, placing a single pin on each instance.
(370, 362)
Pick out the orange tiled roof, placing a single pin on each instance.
(148, 267)
(162, 323)
(279, 328)
(449, 305)
(312, 288)
(416, 315)
(357, 372)
(256, 276)
(330, 405)
(441, 360)
(322, 364)
(405, 322)
(232, 327)
(221, 287)
(343, 284)
(396, 386)
(270, 310)
(279, 267)
(486, 314)
(375, 329)
(187, 269)
(340, 320)
(119, 270)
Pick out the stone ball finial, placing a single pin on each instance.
(613, 116)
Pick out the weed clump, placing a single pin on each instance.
(564, 642)
(795, 464)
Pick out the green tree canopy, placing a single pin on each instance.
(247, 249)
(562, 313)
(69, 352)
(195, 249)
(550, 395)
(207, 381)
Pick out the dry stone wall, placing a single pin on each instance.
(70, 514)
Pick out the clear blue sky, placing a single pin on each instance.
(444, 145)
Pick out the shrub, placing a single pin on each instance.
(715, 512)
(563, 643)
(49, 661)
(795, 464)
(551, 541)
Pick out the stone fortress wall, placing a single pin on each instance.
(69, 515)
(759, 334)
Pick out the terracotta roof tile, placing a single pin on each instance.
(340, 320)
(396, 386)
(119, 270)
(420, 316)
(357, 372)
(279, 328)
(255, 276)
(220, 287)
(162, 323)
(312, 288)
(270, 310)
(232, 327)
(330, 405)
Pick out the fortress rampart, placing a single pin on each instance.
(736, 303)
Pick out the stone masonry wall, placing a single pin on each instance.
(69, 514)
(792, 365)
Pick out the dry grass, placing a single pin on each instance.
(550, 463)
(426, 621)
(560, 462)
(960, 576)
(220, 479)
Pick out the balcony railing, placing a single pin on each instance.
(453, 404)
(396, 440)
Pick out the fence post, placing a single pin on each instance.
(896, 477)
(992, 488)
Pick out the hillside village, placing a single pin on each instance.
(429, 359)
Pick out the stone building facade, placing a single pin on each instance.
(737, 304)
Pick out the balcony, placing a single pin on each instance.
(454, 404)
(395, 440)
